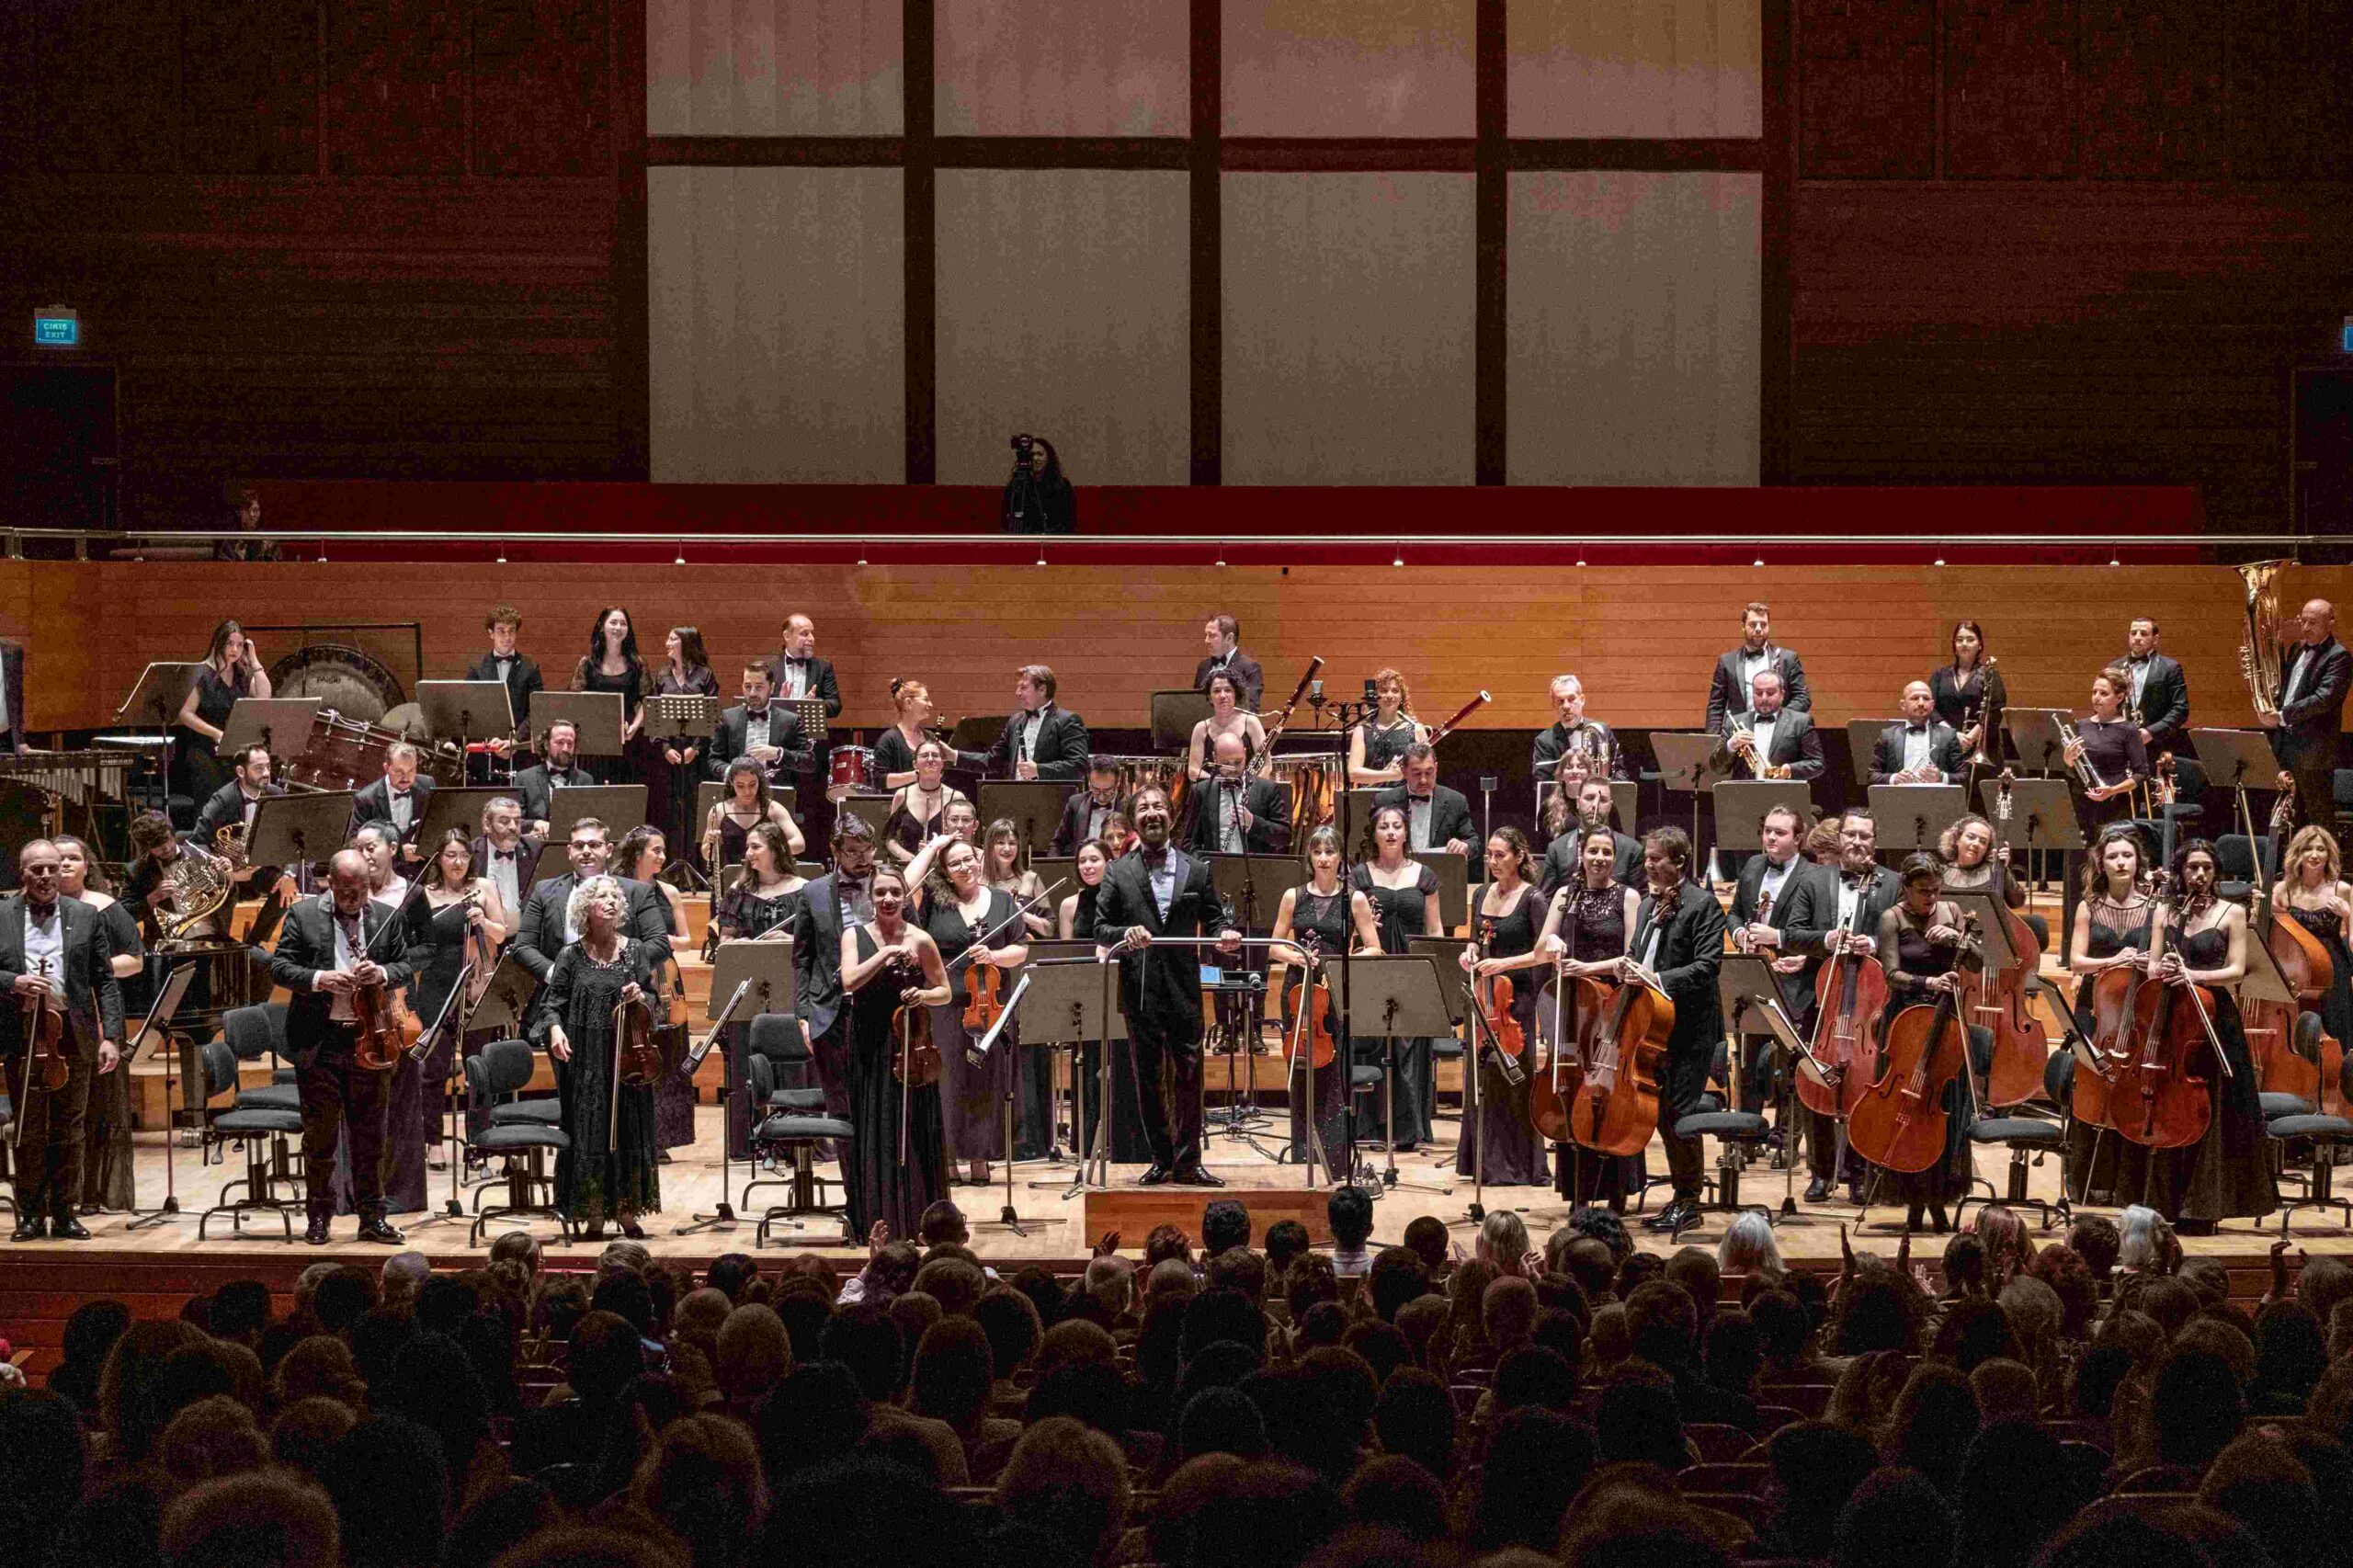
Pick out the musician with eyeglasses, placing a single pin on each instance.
(2309, 711)
(1770, 739)
(1040, 740)
(1572, 734)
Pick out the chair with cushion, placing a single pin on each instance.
(2324, 1133)
(500, 1068)
(2030, 1140)
(1741, 1132)
(262, 1130)
(254, 1033)
(789, 1123)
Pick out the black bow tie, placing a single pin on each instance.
(1855, 879)
(1420, 800)
(2137, 659)
(1915, 729)
(400, 794)
(1155, 857)
(502, 854)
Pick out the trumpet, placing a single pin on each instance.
(2084, 772)
(1757, 766)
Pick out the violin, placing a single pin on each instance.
(1492, 996)
(1617, 1108)
(1900, 1119)
(1308, 1028)
(983, 998)
(2155, 1097)
(637, 1055)
(47, 1067)
(1848, 998)
(387, 1028)
(1580, 1008)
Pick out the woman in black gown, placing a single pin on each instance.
(2111, 746)
(639, 858)
(1588, 924)
(2311, 891)
(2114, 928)
(1077, 923)
(2227, 1174)
(1506, 915)
(612, 664)
(609, 1173)
(1973, 864)
(1313, 925)
(1033, 1071)
(106, 1161)
(765, 894)
(685, 672)
(1377, 746)
(232, 669)
(1970, 692)
(1405, 905)
(957, 910)
(453, 902)
(748, 803)
(920, 809)
(1920, 949)
(887, 964)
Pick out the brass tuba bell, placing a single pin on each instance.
(2260, 650)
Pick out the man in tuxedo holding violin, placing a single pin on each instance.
(1762, 902)
(1162, 893)
(52, 947)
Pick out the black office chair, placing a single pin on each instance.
(2234, 867)
(2326, 1135)
(261, 1129)
(1741, 1134)
(256, 1032)
(503, 1067)
(790, 1122)
(2030, 1140)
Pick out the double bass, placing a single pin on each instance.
(2304, 964)
(1850, 995)
(1900, 1119)
(2001, 999)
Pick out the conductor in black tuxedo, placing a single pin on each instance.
(1828, 916)
(1762, 901)
(1777, 740)
(2159, 690)
(762, 729)
(798, 672)
(1221, 634)
(1917, 748)
(53, 946)
(1160, 891)
(543, 932)
(1736, 671)
(327, 949)
(1233, 813)
(1436, 816)
(2311, 702)
(503, 663)
(1678, 937)
(1041, 740)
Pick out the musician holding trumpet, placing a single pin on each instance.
(2106, 753)
(55, 958)
(1771, 740)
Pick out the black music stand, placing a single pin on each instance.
(2042, 818)
(1052, 868)
(161, 690)
(455, 1009)
(709, 792)
(871, 809)
(1742, 806)
(595, 718)
(1253, 885)
(693, 718)
(1749, 991)
(2034, 734)
(506, 1003)
(462, 808)
(1174, 714)
(1691, 761)
(620, 807)
(154, 1032)
(1389, 997)
(2239, 760)
(2264, 983)
(765, 967)
(1862, 745)
(1453, 883)
(1992, 931)
(1352, 817)
(977, 731)
(1075, 999)
(464, 710)
(1050, 949)
(268, 722)
(1915, 816)
(1006, 1214)
(1034, 805)
(299, 830)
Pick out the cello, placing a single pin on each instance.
(1848, 996)
(1899, 1120)
(1581, 1004)
(1616, 1108)
(2154, 1098)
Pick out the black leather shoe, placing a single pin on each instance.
(1194, 1175)
(316, 1232)
(1855, 1193)
(1674, 1218)
(31, 1228)
(65, 1228)
(380, 1233)
(1818, 1190)
(1155, 1175)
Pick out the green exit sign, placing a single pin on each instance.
(57, 327)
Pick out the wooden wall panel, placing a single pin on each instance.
(2009, 79)
(1866, 89)
(1644, 640)
(2151, 89)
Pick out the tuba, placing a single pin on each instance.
(200, 882)
(2259, 652)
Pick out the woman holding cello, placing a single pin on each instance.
(892, 972)
(2114, 929)
(1405, 905)
(610, 1170)
(957, 910)
(1504, 924)
(1586, 928)
(2312, 893)
(1313, 925)
(1920, 943)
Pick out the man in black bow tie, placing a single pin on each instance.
(1162, 891)
(799, 673)
(400, 798)
(1916, 748)
(503, 855)
(1828, 916)
(52, 947)
(2160, 690)
(536, 787)
(1221, 635)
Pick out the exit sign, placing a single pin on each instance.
(57, 327)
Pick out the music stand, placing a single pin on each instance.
(594, 716)
(620, 807)
(1915, 816)
(154, 1032)
(1254, 885)
(692, 717)
(2239, 760)
(1447, 953)
(2264, 983)
(871, 809)
(1625, 803)
(977, 731)
(767, 968)
(465, 708)
(1750, 995)
(1174, 714)
(1034, 805)
(1453, 883)
(1742, 806)
(506, 1003)
(1072, 999)
(457, 808)
(1352, 816)
(2034, 732)
(299, 830)
(260, 720)
(1690, 761)
(1992, 931)
(1390, 996)
(709, 792)
(1052, 868)
(2042, 817)
(1863, 744)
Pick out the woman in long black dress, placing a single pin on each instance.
(612, 664)
(639, 858)
(886, 964)
(765, 894)
(609, 1171)
(1405, 905)
(1506, 915)
(454, 903)
(106, 1161)
(1313, 925)
(920, 809)
(685, 672)
(1077, 923)
(2111, 746)
(232, 669)
(2311, 891)
(2227, 1174)
(1920, 948)
(1970, 692)
(895, 748)
(1587, 925)
(1033, 1072)
(1377, 746)
(957, 910)
(748, 803)
(2115, 929)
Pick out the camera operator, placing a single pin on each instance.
(1037, 499)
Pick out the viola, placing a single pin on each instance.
(2155, 1096)
(1308, 1008)
(1900, 1119)
(1616, 1109)
(1848, 998)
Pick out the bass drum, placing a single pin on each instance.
(352, 682)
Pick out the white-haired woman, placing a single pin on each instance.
(2144, 1242)
(1748, 1248)
(610, 1171)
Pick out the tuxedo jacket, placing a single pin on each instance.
(1449, 814)
(1814, 913)
(1078, 813)
(1796, 744)
(1690, 949)
(645, 917)
(1246, 674)
(225, 807)
(1727, 694)
(1944, 752)
(1268, 804)
(522, 680)
(1552, 744)
(734, 739)
(306, 946)
(534, 787)
(2164, 702)
(375, 803)
(93, 996)
(817, 953)
(1061, 752)
(821, 682)
(528, 851)
(2309, 726)
(1797, 990)
(1162, 984)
